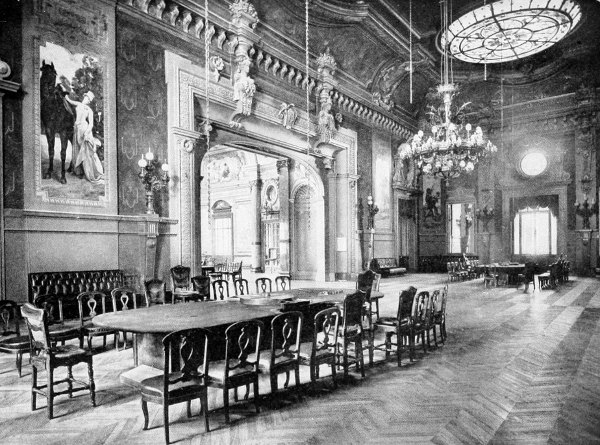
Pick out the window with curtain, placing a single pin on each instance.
(535, 231)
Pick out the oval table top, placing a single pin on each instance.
(173, 317)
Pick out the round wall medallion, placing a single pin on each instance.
(508, 30)
(533, 163)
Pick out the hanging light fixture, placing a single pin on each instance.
(453, 146)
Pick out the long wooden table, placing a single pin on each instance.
(153, 323)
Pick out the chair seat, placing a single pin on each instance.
(265, 361)
(14, 343)
(217, 371)
(154, 386)
(65, 354)
(89, 328)
(64, 330)
(392, 321)
(306, 352)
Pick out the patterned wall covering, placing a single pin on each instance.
(10, 38)
(142, 114)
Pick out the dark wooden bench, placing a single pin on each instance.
(386, 267)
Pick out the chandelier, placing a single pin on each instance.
(453, 146)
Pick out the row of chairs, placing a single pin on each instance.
(419, 315)
(462, 270)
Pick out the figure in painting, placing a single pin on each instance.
(431, 204)
(85, 160)
(404, 167)
(56, 116)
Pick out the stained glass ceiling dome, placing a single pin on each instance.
(507, 30)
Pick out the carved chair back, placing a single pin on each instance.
(263, 285)
(242, 351)
(90, 304)
(283, 282)
(286, 329)
(240, 285)
(220, 289)
(123, 299)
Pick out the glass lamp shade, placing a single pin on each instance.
(142, 163)
(150, 156)
(165, 167)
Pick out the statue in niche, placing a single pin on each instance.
(288, 115)
(243, 92)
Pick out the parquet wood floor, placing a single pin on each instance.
(516, 369)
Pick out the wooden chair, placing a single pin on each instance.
(201, 284)
(240, 367)
(400, 326)
(48, 357)
(61, 330)
(156, 292)
(283, 356)
(234, 270)
(124, 299)
(90, 305)
(240, 286)
(220, 289)
(352, 332)
(322, 350)
(439, 314)
(419, 317)
(11, 340)
(490, 277)
(263, 285)
(429, 313)
(283, 282)
(191, 348)
(180, 277)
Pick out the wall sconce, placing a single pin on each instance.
(485, 215)
(154, 176)
(586, 210)
(373, 210)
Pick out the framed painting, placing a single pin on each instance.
(72, 74)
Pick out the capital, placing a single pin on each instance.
(243, 14)
(282, 164)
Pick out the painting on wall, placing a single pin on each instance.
(382, 176)
(432, 203)
(71, 138)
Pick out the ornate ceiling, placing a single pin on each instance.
(369, 41)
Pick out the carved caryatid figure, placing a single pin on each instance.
(244, 88)
(326, 123)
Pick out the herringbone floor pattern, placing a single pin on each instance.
(517, 368)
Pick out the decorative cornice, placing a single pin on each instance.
(243, 12)
(191, 23)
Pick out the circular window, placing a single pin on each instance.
(534, 163)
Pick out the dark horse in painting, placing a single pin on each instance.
(58, 117)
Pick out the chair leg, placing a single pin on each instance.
(345, 359)
(358, 346)
(92, 384)
(50, 388)
(256, 401)
(204, 408)
(273, 383)
(333, 374)
(145, 412)
(19, 362)
(399, 347)
(166, 422)
(189, 408)
(70, 381)
(226, 403)
(33, 385)
(313, 372)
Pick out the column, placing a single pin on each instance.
(283, 169)
(255, 225)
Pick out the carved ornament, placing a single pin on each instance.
(4, 69)
(216, 65)
(243, 11)
(326, 62)
(287, 115)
